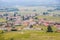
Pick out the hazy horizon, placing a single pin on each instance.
(28, 2)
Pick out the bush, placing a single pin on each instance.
(13, 29)
(31, 26)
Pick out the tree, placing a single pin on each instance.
(49, 29)
(15, 14)
(5, 14)
(45, 13)
(31, 26)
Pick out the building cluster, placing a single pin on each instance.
(27, 20)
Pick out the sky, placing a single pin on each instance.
(28, 2)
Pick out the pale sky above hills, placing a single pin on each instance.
(28, 2)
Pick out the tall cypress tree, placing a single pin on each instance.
(49, 29)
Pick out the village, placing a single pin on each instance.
(28, 21)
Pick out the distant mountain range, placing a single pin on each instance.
(8, 9)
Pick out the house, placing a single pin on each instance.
(58, 28)
(25, 23)
(18, 21)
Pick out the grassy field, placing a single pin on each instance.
(29, 35)
(57, 19)
(2, 20)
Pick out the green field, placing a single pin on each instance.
(50, 18)
(29, 35)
